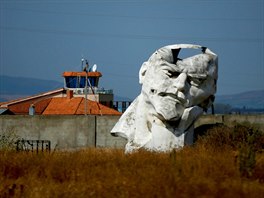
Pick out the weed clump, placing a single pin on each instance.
(233, 137)
(8, 140)
(245, 141)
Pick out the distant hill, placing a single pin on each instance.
(17, 87)
(250, 99)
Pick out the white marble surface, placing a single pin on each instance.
(175, 92)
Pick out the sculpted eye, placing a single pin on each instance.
(195, 81)
(172, 74)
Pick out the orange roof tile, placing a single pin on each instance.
(22, 108)
(95, 108)
(47, 104)
(33, 98)
(90, 74)
(62, 106)
(76, 106)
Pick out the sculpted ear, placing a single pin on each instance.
(142, 72)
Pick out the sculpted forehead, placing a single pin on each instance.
(199, 64)
(204, 63)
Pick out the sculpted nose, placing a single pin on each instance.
(180, 82)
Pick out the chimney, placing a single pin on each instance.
(31, 110)
(69, 94)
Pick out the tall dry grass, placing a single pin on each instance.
(223, 163)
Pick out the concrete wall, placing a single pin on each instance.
(103, 137)
(231, 120)
(73, 132)
(62, 131)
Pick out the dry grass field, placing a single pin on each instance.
(227, 162)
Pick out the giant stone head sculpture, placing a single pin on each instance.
(175, 92)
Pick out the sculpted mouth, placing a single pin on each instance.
(168, 94)
(174, 96)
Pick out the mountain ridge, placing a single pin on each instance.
(18, 87)
(249, 99)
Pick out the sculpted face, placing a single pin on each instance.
(171, 85)
(174, 93)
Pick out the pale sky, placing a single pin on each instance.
(42, 39)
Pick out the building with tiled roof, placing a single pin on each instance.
(79, 96)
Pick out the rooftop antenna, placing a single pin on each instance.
(88, 83)
(82, 61)
(86, 66)
(94, 68)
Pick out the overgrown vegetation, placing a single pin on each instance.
(223, 163)
(244, 140)
(8, 139)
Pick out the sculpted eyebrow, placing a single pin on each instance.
(195, 75)
(180, 68)
(172, 67)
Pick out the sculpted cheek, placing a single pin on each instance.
(198, 95)
(195, 96)
(159, 85)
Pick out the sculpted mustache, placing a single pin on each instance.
(180, 99)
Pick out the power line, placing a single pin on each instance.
(135, 16)
(130, 36)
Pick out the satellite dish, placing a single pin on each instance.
(94, 68)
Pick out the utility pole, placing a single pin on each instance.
(85, 91)
(86, 84)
